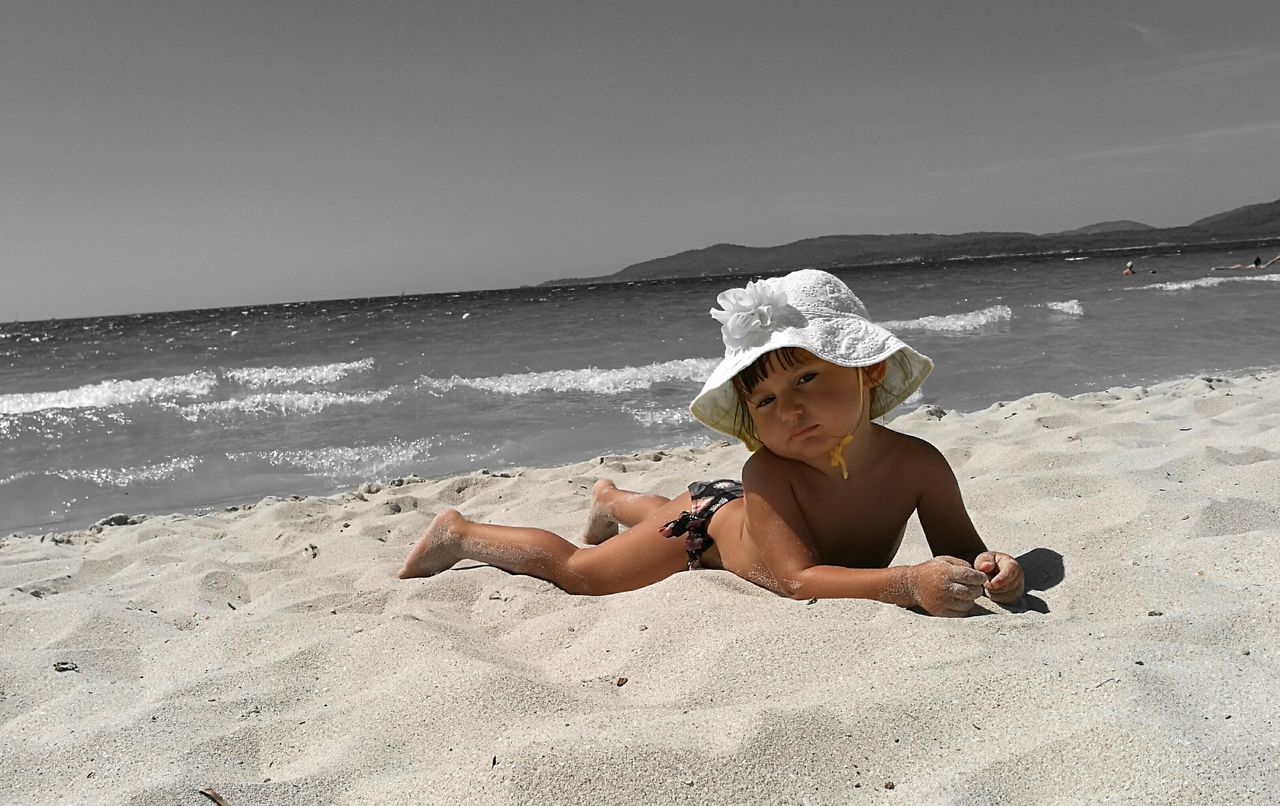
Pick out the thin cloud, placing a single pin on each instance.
(1162, 40)
(1205, 140)
(1208, 138)
(1203, 69)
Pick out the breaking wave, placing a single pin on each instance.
(258, 377)
(588, 379)
(1206, 282)
(106, 394)
(956, 322)
(359, 461)
(1071, 307)
(280, 403)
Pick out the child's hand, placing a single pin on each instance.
(1004, 576)
(945, 586)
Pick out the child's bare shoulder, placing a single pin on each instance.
(765, 468)
(913, 453)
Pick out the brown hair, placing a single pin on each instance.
(745, 382)
(783, 358)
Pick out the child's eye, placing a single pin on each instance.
(805, 378)
(764, 401)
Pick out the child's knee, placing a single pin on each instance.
(577, 577)
(584, 575)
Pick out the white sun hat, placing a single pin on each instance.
(814, 311)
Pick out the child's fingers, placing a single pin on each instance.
(986, 562)
(1006, 597)
(959, 591)
(959, 605)
(1009, 573)
(968, 576)
(960, 598)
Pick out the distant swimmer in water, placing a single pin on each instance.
(1128, 268)
(1256, 264)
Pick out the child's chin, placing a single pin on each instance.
(795, 453)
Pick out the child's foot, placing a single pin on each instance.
(600, 523)
(437, 550)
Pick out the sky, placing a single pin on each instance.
(180, 154)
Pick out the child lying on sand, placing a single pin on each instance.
(824, 499)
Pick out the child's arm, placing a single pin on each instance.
(950, 531)
(942, 586)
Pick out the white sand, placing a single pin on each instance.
(269, 653)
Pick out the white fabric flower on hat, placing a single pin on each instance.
(749, 314)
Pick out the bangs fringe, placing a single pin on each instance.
(745, 382)
(784, 358)
(748, 379)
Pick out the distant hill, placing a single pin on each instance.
(1106, 226)
(1252, 222)
(1251, 218)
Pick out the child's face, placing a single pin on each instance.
(802, 412)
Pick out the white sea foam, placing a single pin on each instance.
(956, 322)
(661, 417)
(25, 474)
(1206, 282)
(589, 379)
(258, 377)
(118, 476)
(111, 393)
(280, 403)
(361, 461)
(1071, 307)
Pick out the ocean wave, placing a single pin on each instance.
(19, 476)
(1071, 307)
(589, 379)
(116, 476)
(110, 393)
(280, 403)
(660, 417)
(58, 423)
(1205, 282)
(361, 461)
(258, 377)
(956, 322)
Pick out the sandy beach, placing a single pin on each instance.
(268, 653)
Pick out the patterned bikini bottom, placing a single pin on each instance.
(707, 497)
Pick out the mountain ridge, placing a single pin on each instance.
(1252, 221)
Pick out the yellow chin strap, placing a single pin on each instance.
(837, 453)
(837, 457)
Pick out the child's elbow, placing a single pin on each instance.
(793, 586)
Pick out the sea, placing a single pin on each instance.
(196, 410)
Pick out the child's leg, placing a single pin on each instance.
(639, 556)
(611, 506)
